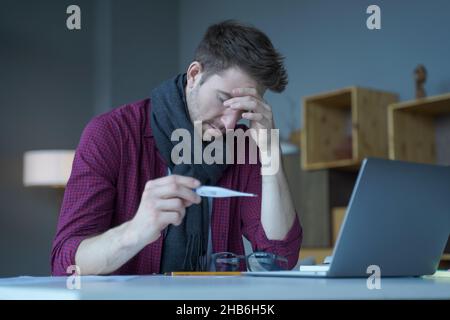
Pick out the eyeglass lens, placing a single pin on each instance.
(256, 261)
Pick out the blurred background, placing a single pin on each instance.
(54, 80)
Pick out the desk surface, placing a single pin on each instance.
(228, 287)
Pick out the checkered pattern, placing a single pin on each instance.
(116, 156)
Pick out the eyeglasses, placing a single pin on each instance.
(257, 261)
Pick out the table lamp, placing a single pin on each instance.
(47, 168)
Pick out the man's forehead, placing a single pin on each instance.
(232, 78)
(226, 92)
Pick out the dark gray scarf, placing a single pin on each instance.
(185, 246)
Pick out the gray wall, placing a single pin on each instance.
(328, 46)
(136, 46)
(145, 47)
(45, 100)
(52, 82)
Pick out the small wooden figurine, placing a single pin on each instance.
(420, 74)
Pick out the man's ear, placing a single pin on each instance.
(194, 73)
(262, 91)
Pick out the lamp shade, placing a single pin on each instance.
(49, 168)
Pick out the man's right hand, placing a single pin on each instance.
(164, 201)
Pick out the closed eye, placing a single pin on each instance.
(223, 96)
(221, 99)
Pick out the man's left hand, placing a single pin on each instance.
(257, 111)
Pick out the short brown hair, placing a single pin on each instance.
(234, 44)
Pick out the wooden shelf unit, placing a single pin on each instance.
(412, 128)
(319, 192)
(342, 127)
(337, 218)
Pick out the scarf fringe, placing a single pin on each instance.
(195, 258)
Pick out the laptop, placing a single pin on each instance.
(398, 219)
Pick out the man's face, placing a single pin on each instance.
(205, 101)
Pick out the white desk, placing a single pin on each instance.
(212, 288)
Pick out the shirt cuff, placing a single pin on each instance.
(289, 247)
(66, 256)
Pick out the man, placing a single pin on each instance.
(130, 209)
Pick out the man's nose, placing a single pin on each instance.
(230, 118)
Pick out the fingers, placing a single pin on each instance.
(176, 191)
(173, 187)
(246, 103)
(252, 116)
(249, 104)
(171, 217)
(187, 182)
(240, 92)
(249, 101)
(174, 204)
(164, 201)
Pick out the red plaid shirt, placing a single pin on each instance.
(116, 156)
